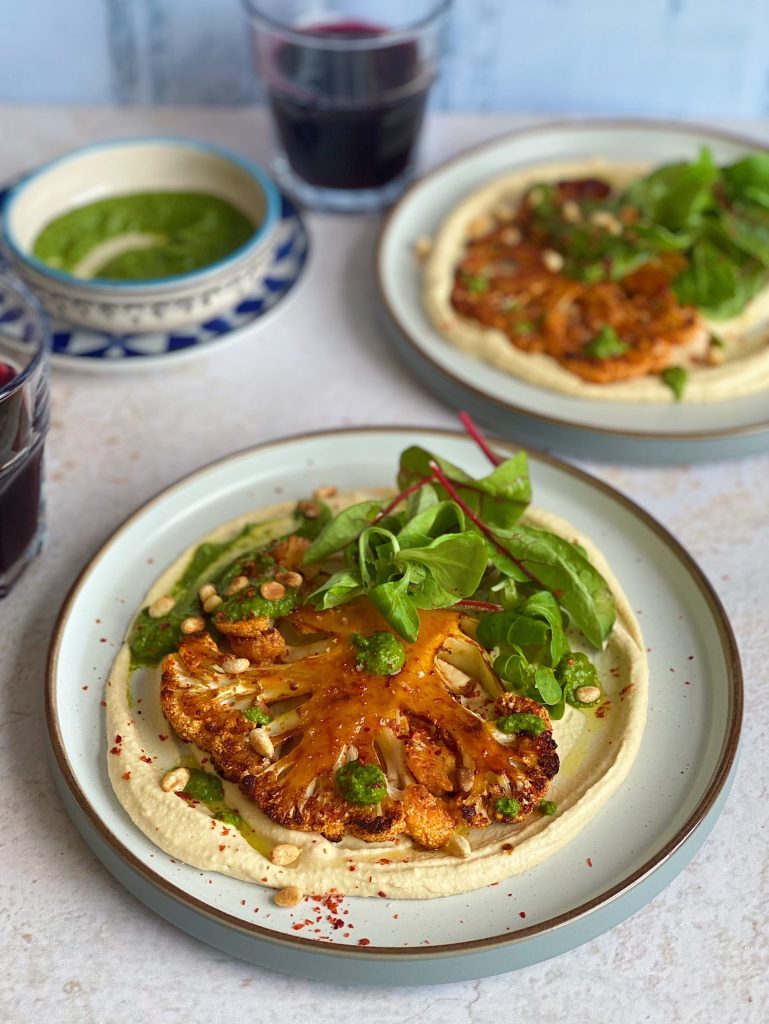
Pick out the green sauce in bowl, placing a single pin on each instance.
(143, 236)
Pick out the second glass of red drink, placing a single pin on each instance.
(347, 83)
(24, 352)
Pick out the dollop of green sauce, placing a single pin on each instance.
(150, 640)
(249, 604)
(382, 653)
(512, 725)
(573, 671)
(507, 808)
(204, 786)
(191, 230)
(361, 783)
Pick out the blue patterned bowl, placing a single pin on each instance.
(139, 165)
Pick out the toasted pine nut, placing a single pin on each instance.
(571, 211)
(194, 624)
(553, 260)
(587, 694)
(261, 742)
(284, 854)
(504, 211)
(161, 607)
(309, 509)
(236, 584)
(458, 846)
(465, 780)
(422, 247)
(272, 590)
(292, 580)
(175, 780)
(206, 591)
(321, 493)
(605, 219)
(233, 666)
(479, 226)
(511, 236)
(211, 603)
(291, 896)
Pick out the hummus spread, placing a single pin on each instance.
(744, 368)
(597, 747)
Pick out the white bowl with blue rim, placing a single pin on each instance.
(135, 166)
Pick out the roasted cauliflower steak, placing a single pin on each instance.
(430, 728)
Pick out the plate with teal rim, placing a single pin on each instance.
(84, 349)
(537, 416)
(641, 839)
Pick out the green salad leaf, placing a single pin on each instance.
(677, 195)
(343, 528)
(558, 566)
(499, 498)
(434, 552)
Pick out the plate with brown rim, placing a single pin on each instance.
(639, 841)
(541, 418)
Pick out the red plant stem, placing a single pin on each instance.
(452, 492)
(404, 494)
(485, 606)
(467, 422)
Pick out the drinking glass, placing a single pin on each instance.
(347, 83)
(24, 357)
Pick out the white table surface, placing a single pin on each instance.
(76, 946)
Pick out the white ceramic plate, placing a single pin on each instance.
(635, 846)
(530, 414)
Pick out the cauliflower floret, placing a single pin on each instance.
(289, 729)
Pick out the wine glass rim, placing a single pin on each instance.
(386, 37)
(42, 332)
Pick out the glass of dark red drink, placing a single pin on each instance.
(24, 353)
(347, 83)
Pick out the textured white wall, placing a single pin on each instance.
(694, 58)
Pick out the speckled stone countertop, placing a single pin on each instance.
(77, 947)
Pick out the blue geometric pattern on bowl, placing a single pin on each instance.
(289, 255)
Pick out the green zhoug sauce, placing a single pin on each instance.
(206, 788)
(150, 640)
(153, 235)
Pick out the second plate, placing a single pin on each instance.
(532, 415)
